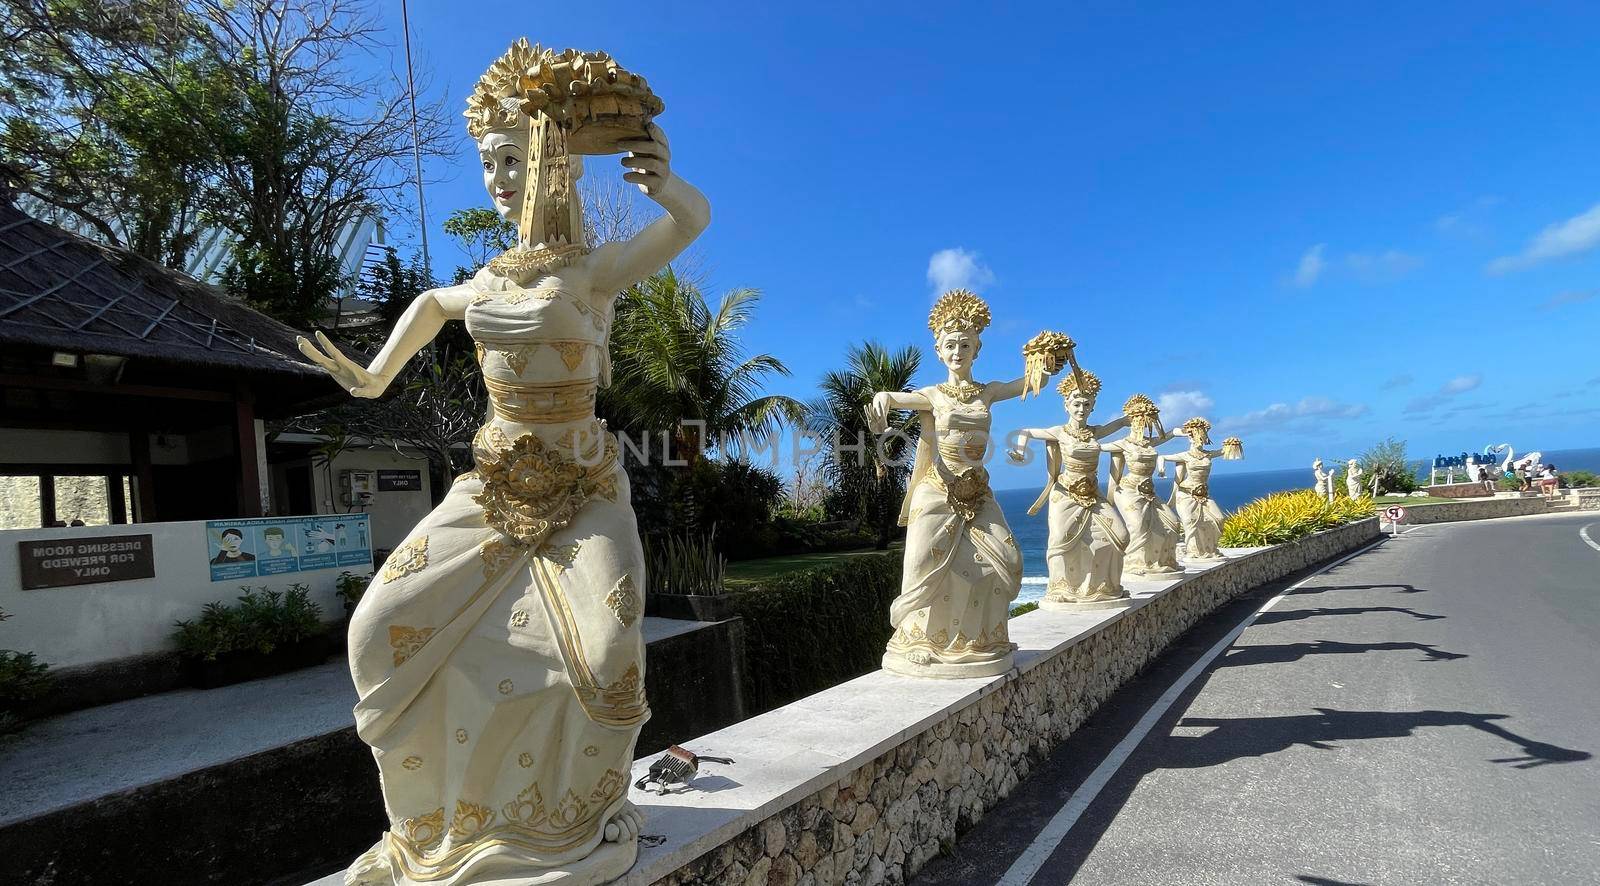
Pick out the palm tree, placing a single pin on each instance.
(675, 360)
(870, 479)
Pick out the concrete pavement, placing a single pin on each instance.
(1422, 713)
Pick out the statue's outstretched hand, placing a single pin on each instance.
(648, 161)
(877, 412)
(350, 375)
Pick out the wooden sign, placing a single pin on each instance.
(64, 562)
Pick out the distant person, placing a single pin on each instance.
(1549, 480)
(229, 549)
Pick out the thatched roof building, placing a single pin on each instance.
(103, 352)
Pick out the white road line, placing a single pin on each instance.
(1588, 539)
(1023, 870)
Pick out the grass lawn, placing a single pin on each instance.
(1408, 502)
(747, 573)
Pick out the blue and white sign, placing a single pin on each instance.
(265, 546)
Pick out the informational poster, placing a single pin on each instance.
(266, 546)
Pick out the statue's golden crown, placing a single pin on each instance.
(1069, 383)
(958, 309)
(1141, 406)
(588, 92)
(1197, 424)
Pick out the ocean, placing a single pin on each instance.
(1230, 490)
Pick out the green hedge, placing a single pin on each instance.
(816, 628)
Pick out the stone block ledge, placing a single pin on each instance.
(865, 781)
(1473, 509)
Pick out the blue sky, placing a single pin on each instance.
(1316, 226)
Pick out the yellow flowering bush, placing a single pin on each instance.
(1286, 516)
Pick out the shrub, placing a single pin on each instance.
(23, 678)
(351, 588)
(1578, 479)
(1387, 461)
(1509, 484)
(685, 565)
(1024, 608)
(262, 621)
(786, 620)
(1286, 516)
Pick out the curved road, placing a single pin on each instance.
(1426, 712)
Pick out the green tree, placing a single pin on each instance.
(482, 234)
(868, 477)
(675, 360)
(1387, 463)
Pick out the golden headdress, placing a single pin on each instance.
(1197, 429)
(958, 309)
(1142, 412)
(586, 93)
(1069, 383)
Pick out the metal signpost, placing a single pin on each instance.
(1395, 513)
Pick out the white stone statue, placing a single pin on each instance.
(1153, 529)
(1087, 538)
(962, 566)
(1324, 485)
(498, 656)
(1352, 478)
(1191, 493)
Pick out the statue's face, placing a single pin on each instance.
(957, 349)
(1317, 465)
(504, 153)
(1079, 405)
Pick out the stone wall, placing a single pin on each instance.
(1477, 509)
(1457, 490)
(880, 819)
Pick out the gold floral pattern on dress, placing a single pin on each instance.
(461, 736)
(519, 618)
(496, 554)
(528, 807)
(409, 558)
(525, 760)
(405, 641)
(624, 602)
(610, 785)
(531, 489)
(966, 495)
(506, 687)
(424, 830)
(470, 820)
(590, 751)
(571, 352)
(412, 762)
(560, 556)
(571, 810)
(517, 358)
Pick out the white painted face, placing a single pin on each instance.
(504, 153)
(957, 349)
(1080, 405)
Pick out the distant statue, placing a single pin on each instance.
(1087, 538)
(962, 565)
(1352, 478)
(1191, 493)
(1153, 529)
(1324, 485)
(498, 654)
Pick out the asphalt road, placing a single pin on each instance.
(1423, 713)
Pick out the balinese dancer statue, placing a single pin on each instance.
(1191, 494)
(1153, 529)
(498, 654)
(1324, 480)
(1087, 538)
(1352, 478)
(962, 566)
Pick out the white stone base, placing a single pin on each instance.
(1155, 574)
(1065, 606)
(897, 663)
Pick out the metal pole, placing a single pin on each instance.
(416, 145)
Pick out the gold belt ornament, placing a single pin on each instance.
(1198, 490)
(532, 488)
(966, 495)
(1143, 486)
(542, 403)
(1083, 490)
(964, 453)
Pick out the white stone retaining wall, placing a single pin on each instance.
(864, 782)
(1477, 509)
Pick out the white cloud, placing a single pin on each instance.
(1450, 389)
(1572, 297)
(1381, 267)
(1181, 405)
(1311, 266)
(1310, 410)
(1574, 236)
(1398, 381)
(957, 268)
